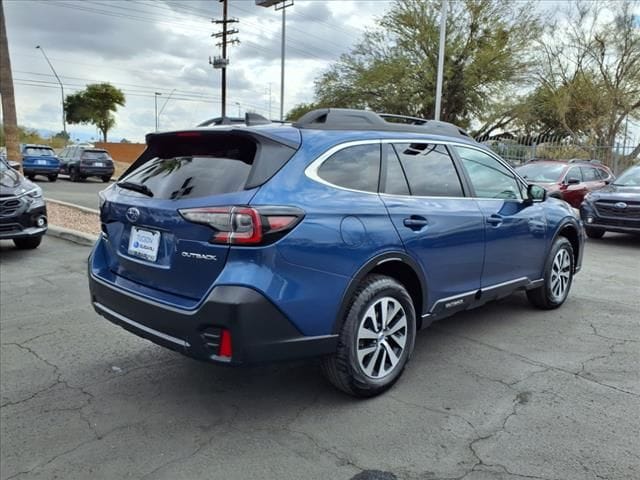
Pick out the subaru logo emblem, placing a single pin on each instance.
(133, 214)
(620, 205)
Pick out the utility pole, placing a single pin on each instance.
(155, 103)
(222, 62)
(443, 35)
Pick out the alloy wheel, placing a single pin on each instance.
(560, 275)
(381, 337)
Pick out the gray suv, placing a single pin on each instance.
(80, 162)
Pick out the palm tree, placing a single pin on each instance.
(9, 119)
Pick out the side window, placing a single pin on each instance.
(489, 177)
(356, 168)
(429, 170)
(573, 172)
(394, 182)
(589, 174)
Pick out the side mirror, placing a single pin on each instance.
(572, 181)
(535, 193)
(14, 165)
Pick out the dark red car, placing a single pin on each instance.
(569, 180)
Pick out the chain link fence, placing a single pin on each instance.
(518, 150)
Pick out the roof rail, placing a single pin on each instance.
(582, 160)
(351, 119)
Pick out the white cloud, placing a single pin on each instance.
(147, 46)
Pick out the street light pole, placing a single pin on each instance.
(155, 101)
(279, 5)
(64, 120)
(443, 34)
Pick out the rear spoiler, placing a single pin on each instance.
(269, 157)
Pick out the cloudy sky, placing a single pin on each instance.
(148, 46)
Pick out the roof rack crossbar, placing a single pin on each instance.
(351, 119)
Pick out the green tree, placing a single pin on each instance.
(393, 69)
(94, 105)
(589, 74)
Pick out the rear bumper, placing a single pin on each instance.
(40, 170)
(259, 331)
(96, 171)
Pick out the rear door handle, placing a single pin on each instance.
(495, 220)
(415, 222)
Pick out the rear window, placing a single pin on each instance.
(39, 152)
(95, 155)
(198, 167)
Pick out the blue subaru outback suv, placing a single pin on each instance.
(338, 236)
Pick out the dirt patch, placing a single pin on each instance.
(74, 219)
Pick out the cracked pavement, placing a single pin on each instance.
(501, 392)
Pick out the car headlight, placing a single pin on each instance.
(34, 197)
(35, 192)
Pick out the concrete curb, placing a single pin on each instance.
(74, 236)
(73, 205)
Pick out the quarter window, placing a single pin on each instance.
(355, 168)
(489, 177)
(429, 170)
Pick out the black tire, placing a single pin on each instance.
(106, 178)
(543, 297)
(73, 175)
(27, 243)
(52, 178)
(31, 177)
(343, 369)
(594, 232)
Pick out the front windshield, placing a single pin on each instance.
(541, 172)
(3, 166)
(38, 152)
(630, 178)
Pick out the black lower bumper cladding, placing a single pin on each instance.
(259, 331)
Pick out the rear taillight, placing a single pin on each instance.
(245, 225)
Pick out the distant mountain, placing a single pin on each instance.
(76, 136)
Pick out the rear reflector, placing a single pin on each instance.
(188, 134)
(225, 344)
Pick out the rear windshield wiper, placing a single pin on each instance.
(136, 187)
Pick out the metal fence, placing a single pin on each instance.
(518, 150)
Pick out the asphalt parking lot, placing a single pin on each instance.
(502, 392)
(83, 193)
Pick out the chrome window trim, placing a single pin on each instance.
(311, 171)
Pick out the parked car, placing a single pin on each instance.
(568, 180)
(81, 162)
(40, 160)
(338, 236)
(23, 213)
(614, 208)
